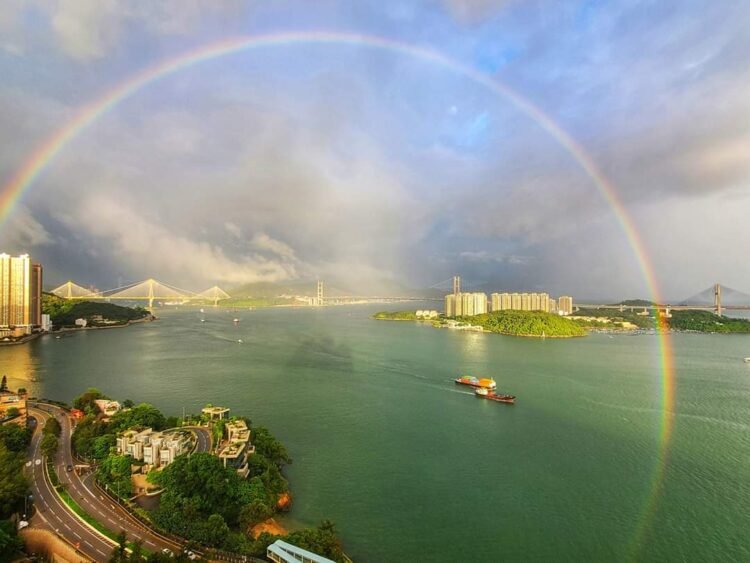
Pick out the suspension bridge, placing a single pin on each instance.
(147, 290)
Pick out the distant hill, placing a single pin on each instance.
(636, 303)
(331, 288)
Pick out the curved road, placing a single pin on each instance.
(82, 489)
(52, 514)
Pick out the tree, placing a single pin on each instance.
(13, 484)
(119, 553)
(114, 471)
(10, 543)
(103, 445)
(49, 445)
(15, 438)
(127, 404)
(86, 402)
(141, 416)
(52, 426)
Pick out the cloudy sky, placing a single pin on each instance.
(363, 165)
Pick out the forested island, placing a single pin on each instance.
(511, 323)
(64, 312)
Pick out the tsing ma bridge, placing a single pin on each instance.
(148, 290)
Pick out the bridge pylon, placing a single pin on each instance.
(717, 298)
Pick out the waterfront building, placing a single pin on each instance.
(480, 303)
(237, 447)
(525, 302)
(13, 407)
(459, 305)
(515, 301)
(450, 305)
(535, 302)
(20, 294)
(505, 301)
(544, 302)
(214, 413)
(283, 552)
(156, 449)
(565, 305)
(427, 314)
(495, 304)
(552, 305)
(107, 407)
(467, 304)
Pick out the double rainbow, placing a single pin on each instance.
(40, 160)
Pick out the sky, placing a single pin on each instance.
(368, 167)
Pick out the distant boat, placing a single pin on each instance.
(202, 311)
(236, 321)
(747, 360)
(203, 320)
(239, 341)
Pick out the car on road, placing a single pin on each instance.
(168, 552)
(69, 468)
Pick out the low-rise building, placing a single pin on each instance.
(157, 449)
(107, 407)
(237, 447)
(13, 408)
(214, 413)
(427, 314)
(283, 552)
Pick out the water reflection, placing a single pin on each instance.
(21, 366)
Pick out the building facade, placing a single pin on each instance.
(20, 294)
(565, 305)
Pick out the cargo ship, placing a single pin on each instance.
(483, 393)
(472, 381)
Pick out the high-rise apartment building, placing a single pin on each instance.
(495, 304)
(544, 302)
(552, 305)
(450, 305)
(20, 293)
(504, 301)
(565, 305)
(480, 303)
(515, 301)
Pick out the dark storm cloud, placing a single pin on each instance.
(357, 165)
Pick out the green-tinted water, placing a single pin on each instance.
(412, 467)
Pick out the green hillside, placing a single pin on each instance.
(64, 312)
(526, 323)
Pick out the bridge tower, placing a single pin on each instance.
(150, 283)
(319, 297)
(456, 285)
(717, 298)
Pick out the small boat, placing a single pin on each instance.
(236, 321)
(482, 393)
(747, 360)
(471, 381)
(239, 341)
(202, 311)
(203, 320)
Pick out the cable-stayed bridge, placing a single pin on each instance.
(717, 298)
(147, 290)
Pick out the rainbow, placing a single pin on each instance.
(40, 160)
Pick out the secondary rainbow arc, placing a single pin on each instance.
(45, 153)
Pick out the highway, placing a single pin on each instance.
(52, 514)
(84, 492)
